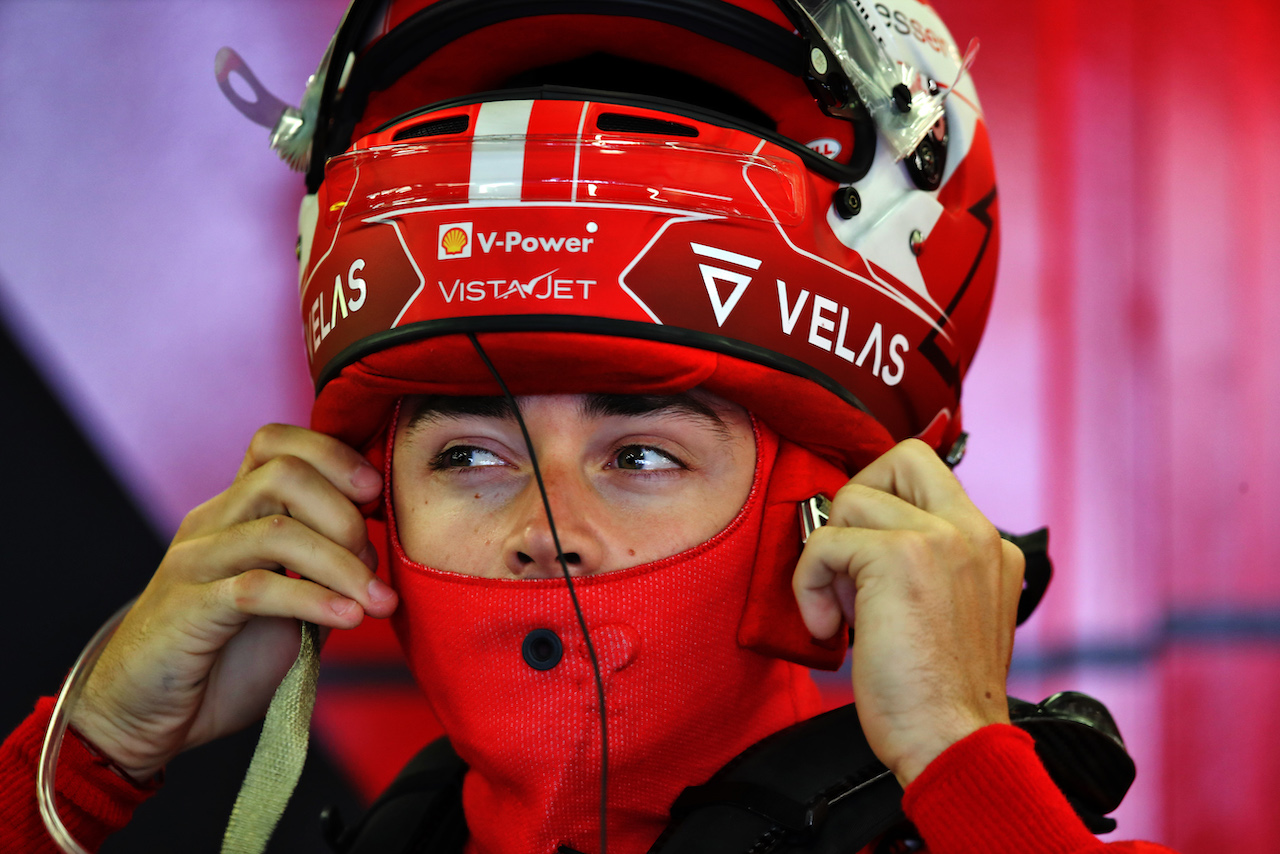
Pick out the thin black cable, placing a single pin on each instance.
(564, 567)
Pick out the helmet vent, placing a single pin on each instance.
(623, 123)
(438, 127)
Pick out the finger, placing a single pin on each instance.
(812, 585)
(914, 473)
(834, 555)
(340, 464)
(1015, 565)
(263, 593)
(281, 542)
(857, 505)
(289, 485)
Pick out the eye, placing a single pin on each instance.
(465, 456)
(644, 458)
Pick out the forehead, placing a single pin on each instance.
(431, 409)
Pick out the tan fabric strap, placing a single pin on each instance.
(278, 759)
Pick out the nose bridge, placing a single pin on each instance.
(531, 550)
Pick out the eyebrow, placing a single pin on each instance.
(434, 408)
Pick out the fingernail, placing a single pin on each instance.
(366, 477)
(379, 592)
(344, 607)
(369, 557)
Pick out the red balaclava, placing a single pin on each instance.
(685, 688)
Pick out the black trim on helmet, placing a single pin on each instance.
(440, 127)
(642, 330)
(430, 29)
(812, 160)
(610, 73)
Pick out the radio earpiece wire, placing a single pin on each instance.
(564, 567)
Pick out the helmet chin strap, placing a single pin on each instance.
(564, 568)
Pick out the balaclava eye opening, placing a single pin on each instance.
(504, 667)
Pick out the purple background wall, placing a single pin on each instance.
(147, 233)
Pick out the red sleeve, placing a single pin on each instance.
(93, 800)
(989, 793)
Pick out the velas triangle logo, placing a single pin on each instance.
(716, 277)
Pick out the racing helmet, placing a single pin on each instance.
(791, 204)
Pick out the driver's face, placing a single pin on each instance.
(631, 479)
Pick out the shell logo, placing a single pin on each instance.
(455, 240)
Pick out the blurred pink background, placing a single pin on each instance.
(1126, 393)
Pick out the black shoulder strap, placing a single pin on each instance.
(419, 813)
(817, 788)
(813, 787)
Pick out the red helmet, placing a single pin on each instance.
(789, 204)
